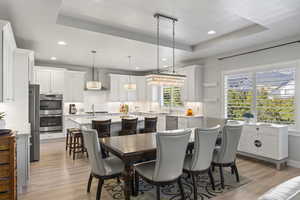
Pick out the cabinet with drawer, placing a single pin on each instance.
(266, 142)
(8, 167)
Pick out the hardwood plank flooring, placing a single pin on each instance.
(57, 177)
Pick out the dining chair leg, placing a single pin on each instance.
(157, 192)
(213, 167)
(75, 141)
(236, 172)
(211, 177)
(99, 189)
(195, 186)
(222, 177)
(67, 140)
(136, 183)
(232, 170)
(89, 183)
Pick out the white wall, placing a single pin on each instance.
(214, 69)
(17, 111)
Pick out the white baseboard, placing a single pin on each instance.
(293, 163)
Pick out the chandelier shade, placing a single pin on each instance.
(93, 84)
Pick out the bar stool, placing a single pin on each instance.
(150, 125)
(69, 138)
(76, 143)
(129, 126)
(103, 130)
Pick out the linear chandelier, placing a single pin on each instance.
(165, 79)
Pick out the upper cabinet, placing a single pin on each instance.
(193, 86)
(118, 92)
(74, 86)
(7, 48)
(51, 81)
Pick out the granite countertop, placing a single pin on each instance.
(114, 120)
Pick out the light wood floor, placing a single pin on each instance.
(57, 177)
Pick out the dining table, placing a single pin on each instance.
(132, 149)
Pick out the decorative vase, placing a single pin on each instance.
(2, 124)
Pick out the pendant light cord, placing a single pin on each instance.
(173, 47)
(157, 38)
(93, 68)
(129, 61)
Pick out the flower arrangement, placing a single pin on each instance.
(248, 115)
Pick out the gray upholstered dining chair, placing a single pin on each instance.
(200, 161)
(225, 155)
(168, 167)
(102, 169)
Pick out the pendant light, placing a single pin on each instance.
(93, 84)
(130, 86)
(165, 79)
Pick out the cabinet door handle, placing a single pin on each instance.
(257, 128)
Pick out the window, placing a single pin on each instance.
(171, 96)
(269, 95)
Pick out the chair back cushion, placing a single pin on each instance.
(230, 141)
(205, 140)
(171, 149)
(150, 124)
(129, 124)
(92, 145)
(102, 127)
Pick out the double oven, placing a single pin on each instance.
(51, 113)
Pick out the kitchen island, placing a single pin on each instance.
(116, 122)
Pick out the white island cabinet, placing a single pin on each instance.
(266, 142)
(7, 48)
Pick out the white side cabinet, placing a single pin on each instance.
(141, 88)
(74, 86)
(7, 48)
(51, 80)
(269, 143)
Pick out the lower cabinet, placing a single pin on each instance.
(183, 122)
(269, 142)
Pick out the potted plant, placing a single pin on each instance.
(2, 121)
(248, 116)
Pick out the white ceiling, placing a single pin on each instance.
(238, 23)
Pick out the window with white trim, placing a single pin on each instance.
(269, 95)
(171, 96)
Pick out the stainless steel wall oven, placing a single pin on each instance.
(51, 112)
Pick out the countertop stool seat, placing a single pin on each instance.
(129, 126)
(167, 169)
(150, 125)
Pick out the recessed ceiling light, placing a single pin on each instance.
(164, 59)
(137, 67)
(53, 58)
(211, 32)
(63, 43)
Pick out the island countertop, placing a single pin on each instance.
(114, 119)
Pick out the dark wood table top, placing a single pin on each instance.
(131, 145)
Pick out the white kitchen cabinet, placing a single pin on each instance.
(153, 93)
(193, 85)
(268, 143)
(132, 94)
(119, 93)
(7, 48)
(57, 81)
(141, 88)
(74, 86)
(30, 67)
(51, 80)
